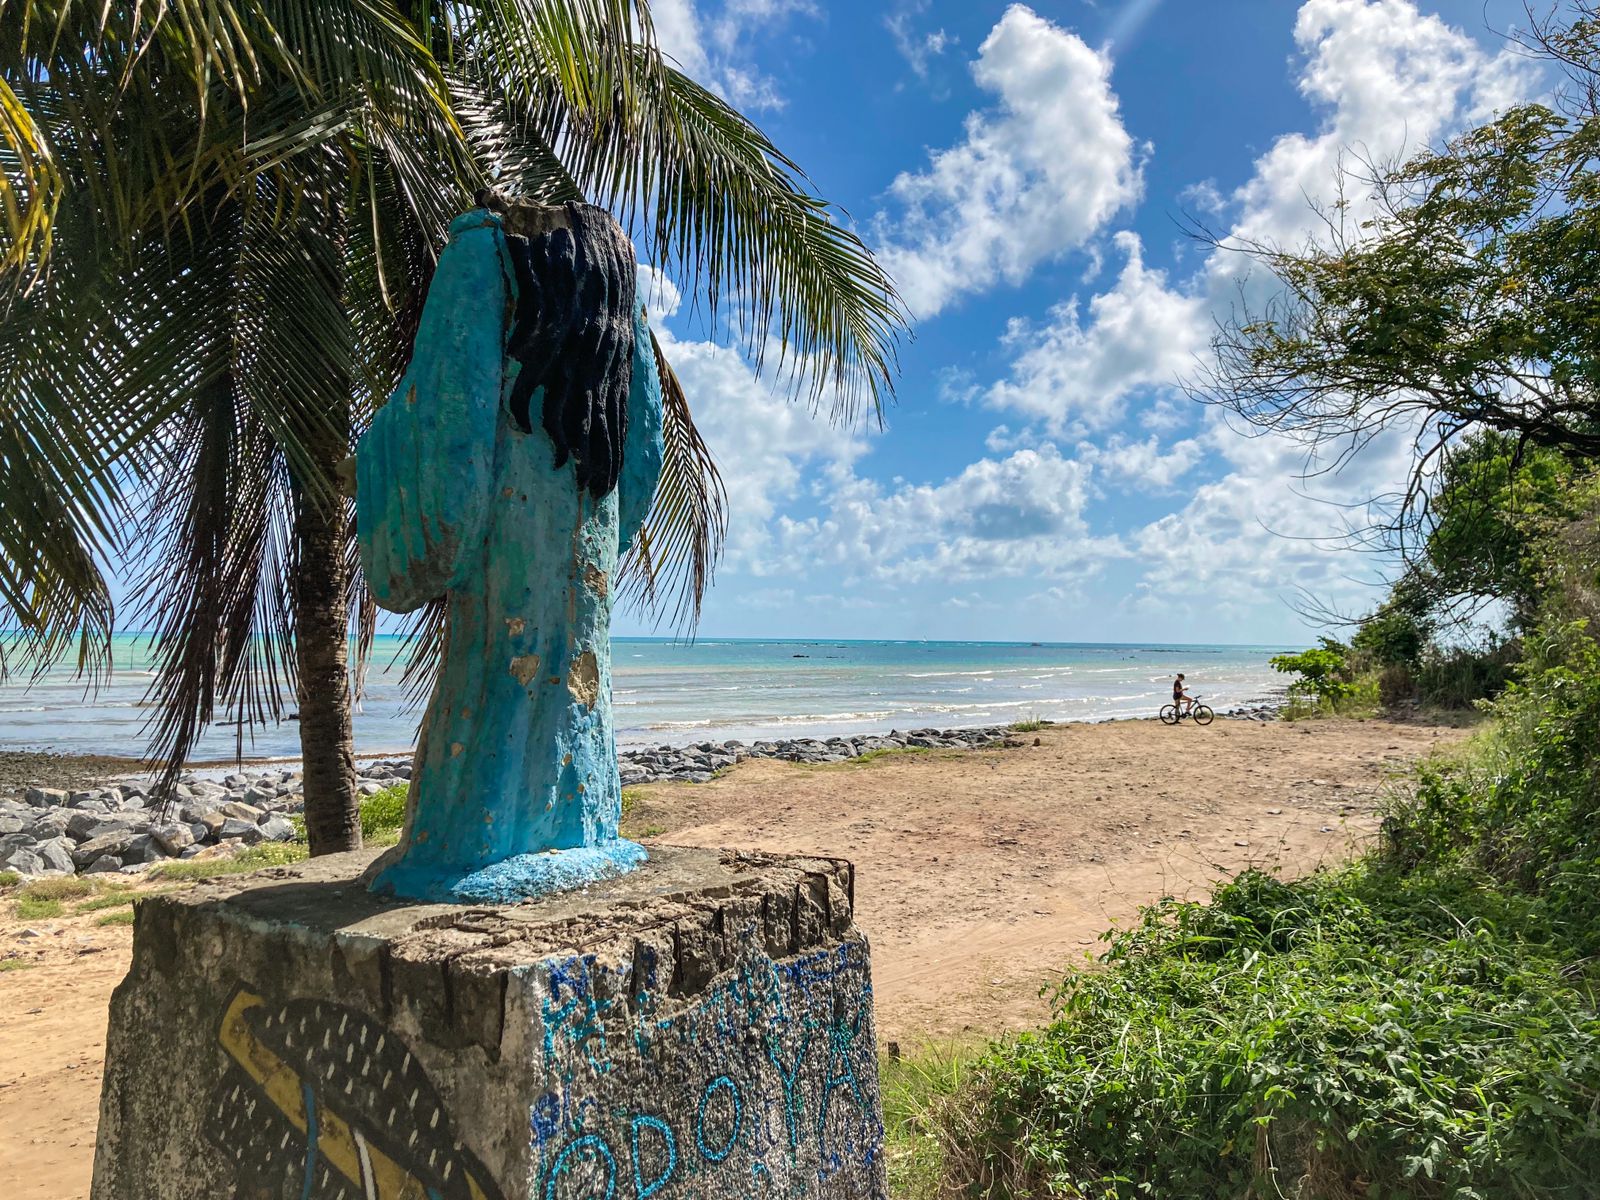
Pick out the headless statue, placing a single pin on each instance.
(516, 459)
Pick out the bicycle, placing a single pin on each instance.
(1202, 713)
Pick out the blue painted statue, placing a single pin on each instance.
(516, 459)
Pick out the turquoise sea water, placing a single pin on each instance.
(674, 692)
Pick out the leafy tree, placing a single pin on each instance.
(217, 224)
(1324, 672)
(1468, 301)
(1483, 538)
(1399, 630)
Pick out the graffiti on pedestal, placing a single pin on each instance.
(323, 1103)
(782, 1051)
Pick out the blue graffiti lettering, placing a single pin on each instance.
(793, 1102)
(841, 1038)
(670, 1143)
(589, 1148)
(720, 1083)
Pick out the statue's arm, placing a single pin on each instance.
(425, 468)
(642, 449)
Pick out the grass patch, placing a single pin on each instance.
(383, 816)
(117, 918)
(630, 797)
(916, 1090)
(9, 879)
(16, 964)
(272, 854)
(44, 899)
(1031, 725)
(117, 899)
(30, 909)
(62, 887)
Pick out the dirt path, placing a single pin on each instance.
(980, 876)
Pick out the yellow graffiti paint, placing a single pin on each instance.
(338, 1144)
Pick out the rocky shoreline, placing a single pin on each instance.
(122, 828)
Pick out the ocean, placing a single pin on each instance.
(670, 693)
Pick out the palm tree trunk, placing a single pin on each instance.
(322, 653)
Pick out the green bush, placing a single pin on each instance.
(1324, 672)
(1460, 677)
(1355, 1034)
(383, 816)
(1396, 685)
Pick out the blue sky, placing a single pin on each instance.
(1023, 171)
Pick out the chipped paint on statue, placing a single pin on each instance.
(515, 461)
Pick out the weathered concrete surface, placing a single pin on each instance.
(699, 1028)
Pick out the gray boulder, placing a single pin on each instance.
(56, 854)
(247, 832)
(143, 849)
(174, 837)
(43, 797)
(22, 860)
(276, 829)
(85, 826)
(52, 823)
(10, 824)
(239, 810)
(107, 845)
(104, 864)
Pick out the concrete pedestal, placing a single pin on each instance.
(699, 1028)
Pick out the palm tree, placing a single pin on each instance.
(218, 219)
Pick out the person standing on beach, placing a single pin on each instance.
(1180, 697)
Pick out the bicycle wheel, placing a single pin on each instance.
(1202, 714)
(1169, 714)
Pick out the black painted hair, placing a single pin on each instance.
(572, 334)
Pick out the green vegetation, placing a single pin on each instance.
(916, 1093)
(116, 899)
(1031, 725)
(9, 879)
(1424, 1023)
(117, 918)
(383, 816)
(630, 797)
(16, 964)
(43, 898)
(867, 757)
(269, 854)
(1323, 674)
(63, 887)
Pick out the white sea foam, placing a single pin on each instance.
(713, 690)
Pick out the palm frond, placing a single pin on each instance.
(721, 206)
(670, 565)
(30, 189)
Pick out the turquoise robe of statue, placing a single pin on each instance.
(515, 789)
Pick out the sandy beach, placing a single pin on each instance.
(981, 876)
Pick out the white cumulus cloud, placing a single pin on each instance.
(1141, 334)
(1035, 176)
